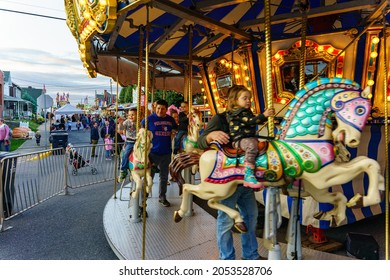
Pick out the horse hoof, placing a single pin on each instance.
(333, 222)
(356, 201)
(318, 215)
(176, 217)
(241, 227)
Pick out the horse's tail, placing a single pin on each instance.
(180, 162)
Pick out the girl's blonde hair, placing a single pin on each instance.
(107, 135)
(233, 94)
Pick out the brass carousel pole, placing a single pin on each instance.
(146, 130)
(386, 100)
(293, 236)
(139, 78)
(187, 174)
(272, 218)
(116, 156)
(190, 35)
(268, 65)
(134, 216)
(302, 59)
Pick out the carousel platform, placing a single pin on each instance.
(191, 239)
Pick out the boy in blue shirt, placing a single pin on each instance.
(163, 127)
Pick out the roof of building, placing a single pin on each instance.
(33, 92)
(16, 99)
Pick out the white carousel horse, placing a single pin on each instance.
(189, 142)
(137, 162)
(304, 150)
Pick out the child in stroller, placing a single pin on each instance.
(77, 161)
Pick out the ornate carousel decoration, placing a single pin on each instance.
(85, 18)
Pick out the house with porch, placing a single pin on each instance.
(14, 106)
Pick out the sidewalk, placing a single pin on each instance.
(30, 145)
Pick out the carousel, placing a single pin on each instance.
(323, 66)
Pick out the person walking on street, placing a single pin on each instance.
(94, 138)
(108, 146)
(38, 138)
(4, 136)
(162, 126)
(107, 129)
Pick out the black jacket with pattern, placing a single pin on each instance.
(242, 123)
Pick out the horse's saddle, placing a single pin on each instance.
(230, 151)
(230, 164)
(276, 160)
(136, 164)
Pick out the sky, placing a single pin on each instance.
(41, 51)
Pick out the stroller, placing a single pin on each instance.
(77, 161)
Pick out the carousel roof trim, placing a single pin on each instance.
(218, 27)
(337, 8)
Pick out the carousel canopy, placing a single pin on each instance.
(111, 33)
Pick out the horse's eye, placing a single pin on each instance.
(360, 110)
(339, 104)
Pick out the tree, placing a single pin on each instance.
(126, 94)
(28, 97)
(171, 96)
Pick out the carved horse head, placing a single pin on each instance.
(195, 124)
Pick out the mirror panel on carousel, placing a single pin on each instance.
(320, 49)
(285, 67)
(223, 72)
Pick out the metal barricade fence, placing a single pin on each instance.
(31, 178)
(85, 169)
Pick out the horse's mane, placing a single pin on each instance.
(312, 115)
(141, 143)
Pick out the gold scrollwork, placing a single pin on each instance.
(86, 18)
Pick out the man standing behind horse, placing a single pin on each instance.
(162, 126)
(217, 130)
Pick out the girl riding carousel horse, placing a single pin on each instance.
(242, 127)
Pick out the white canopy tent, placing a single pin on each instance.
(68, 109)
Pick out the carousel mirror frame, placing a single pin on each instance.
(315, 54)
(231, 69)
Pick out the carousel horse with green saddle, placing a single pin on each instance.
(324, 117)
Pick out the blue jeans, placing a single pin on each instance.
(126, 153)
(162, 162)
(245, 199)
(3, 147)
(178, 137)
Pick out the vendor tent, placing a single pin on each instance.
(68, 109)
